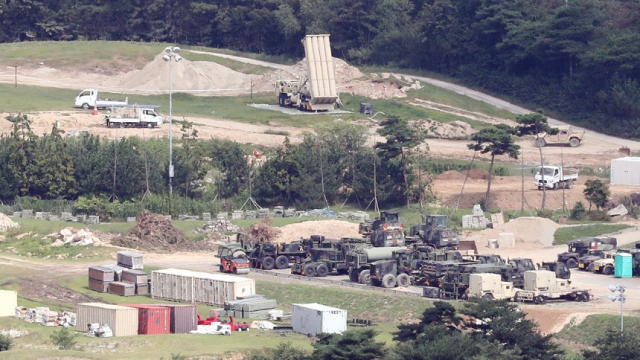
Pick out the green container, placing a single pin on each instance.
(623, 265)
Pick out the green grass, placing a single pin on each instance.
(589, 330)
(565, 234)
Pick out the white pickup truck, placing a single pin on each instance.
(89, 98)
(133, 116)
(555, 177)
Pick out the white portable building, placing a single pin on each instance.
(313, 319)
(625, 171)
(8, 302)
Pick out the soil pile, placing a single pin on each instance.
(530, 233)
(6, 223)
(262, 231)
(331, 229)
(455, 130)
(156, 233)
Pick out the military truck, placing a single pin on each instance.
(585, 262)
(565, 136)
(539, 286)
(579, 247)
(604, 265)
(267, 255)
(327, 256)
(386, 220)
(455, 283)
(561, 269)
(400, 270)
(359, 261)
(434, 231)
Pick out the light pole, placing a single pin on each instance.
(620, 297)
(170, 56)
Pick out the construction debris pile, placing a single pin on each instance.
(126, 278)
(46, 317)
(262, 231)
(76, 237)
(156, 233)
(6, 223)
(218, 226)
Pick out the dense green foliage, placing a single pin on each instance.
(6, 343)
(63, 338)
(580, 58)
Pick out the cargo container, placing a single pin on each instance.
(99, 286)
(101, 273)
(130, 260)
(8, 302)
(314, 319)
(199, 287)
(135, 276)
(184, 318)
(122, 288)
(122, 320)
(153, 319)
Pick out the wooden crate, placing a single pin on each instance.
(135, 276)
(122, 288)
(99, 286)
(101, 273)
(142, 289)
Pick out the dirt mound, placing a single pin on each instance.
(451, 175)
(479, 174)
(6, 223)
(451, 130)
(333, 229)
(187, 75)
(530, 233)
(156, 233)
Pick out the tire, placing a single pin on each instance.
(488, 296)
(608, 270)
(235, 270)
(149, 125)
(555, 186)
(268, 263)
(85, 106)
(365, 277)
(353, 275)
(574, 142)
(571, 263)
(310, 270)
(221, 268)
(570, 184)
(322, 270)
(540, 142)
(404, 280)
(389, 281)
(540, 300)
(590, 267)
(121, 126)
(584, 297)
(282, 262)
(539, 187)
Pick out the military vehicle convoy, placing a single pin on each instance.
(326, 256)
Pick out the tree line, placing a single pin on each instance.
(576, 58)
(333, 165)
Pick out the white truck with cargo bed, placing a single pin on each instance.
(133, 116)
(89, 99)
(555, 177)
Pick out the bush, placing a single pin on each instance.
(501, 171)
(578, 212)
(63, 338)
(548, 214)
(633, 209)
(6, 343)
(600, 215)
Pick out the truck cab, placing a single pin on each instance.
(434, 231)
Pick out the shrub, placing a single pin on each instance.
(599, 215)
(63, 338)
(545, 213)
(6, 343)
(578, 212)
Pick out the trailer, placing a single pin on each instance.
(133, 116)
(89, 99)
(555, 177)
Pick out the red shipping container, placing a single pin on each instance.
(153, 319)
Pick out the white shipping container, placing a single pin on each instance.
(199, 287)
(8, 302)
(625, 171)
(313, 319)
(122, 320)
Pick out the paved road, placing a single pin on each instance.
(499, 103)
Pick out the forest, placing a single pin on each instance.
(578, 59)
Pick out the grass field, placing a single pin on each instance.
(564, 235)
(594, 326)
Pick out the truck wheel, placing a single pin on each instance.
(149, 125)
(540, 142)
(322, 270)
(353, 275)
(555, 186)
(539, 187)
(389, 281)
(570, 184)
(488, 296)
(235, 270)
(584, 297)
(221, 268)
(365, 277)
(571, 263)
(608, 270)
(268, 263)
(540, 300)
(310, 270)
(282, 262)
(590, 267)
(404, 280)
(121, 125)
(574, 142)
(85, 106)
